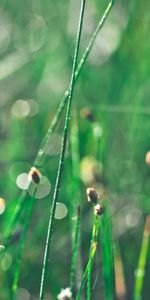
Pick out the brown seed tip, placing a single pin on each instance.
(87, 114)
(79, 210)
(92, 195)
(35, 175)
(99, 209)
(147, 158)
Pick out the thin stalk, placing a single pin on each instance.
(63, 102)
(62, 155)
(93, 240)
(46, 139)
(140, 272)
(15, 219)
(21, 244)
(93, 248)
(75, 272)
(74, 252)
(108, 257)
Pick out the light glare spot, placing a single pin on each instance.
(20, 109)
(54, 146)
(22, 294)
(23, 181)
(43, 188)
(61, 211)
(6, 261)
(2, 248)
(2, 206)
(33, 36)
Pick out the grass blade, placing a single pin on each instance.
(21, 243)
(107, 257)
(93, 248)
(140, 272)
(74, 252)
(63, 102)
(62, 155)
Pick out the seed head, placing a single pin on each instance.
(35, 175)
(99, 209)
(92, 195)
(87, 114)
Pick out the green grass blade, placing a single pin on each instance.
(62, 155)
(140, 272)
(93, 240)
(63, 102)
(15, 218)
(74, 252)
(107, 257)
(31, 201)
(93, 248)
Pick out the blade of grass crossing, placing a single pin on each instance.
(62, 155)
(46, 139)
(63, 102)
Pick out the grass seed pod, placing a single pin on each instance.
(35, 175)
(92, 195)
(99, 209)
(87, 114)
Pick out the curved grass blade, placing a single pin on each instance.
(140, 272)
(62, 155)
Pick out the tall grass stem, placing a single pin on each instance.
(62, 155)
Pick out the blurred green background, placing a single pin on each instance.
(36, 50)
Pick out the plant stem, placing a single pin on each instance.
(108, 257)
(93, 240)
(62, 155)
(15, 218)
(74, 252)
(63, 102)
(21, 243)
(140, 272)
(93, 248)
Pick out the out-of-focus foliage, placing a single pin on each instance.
(36, 48)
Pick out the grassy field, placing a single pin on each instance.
(74, 150)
